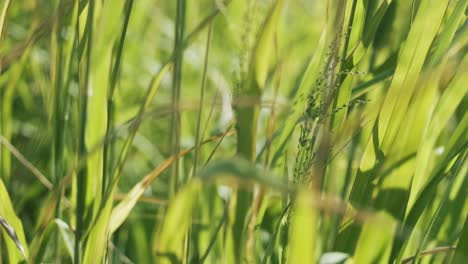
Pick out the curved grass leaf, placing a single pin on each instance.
(39, 247)
(12, 234)
(445, 108)
(389, 125)
(176, 223)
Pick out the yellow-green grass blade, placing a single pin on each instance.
(15, 253)
(300, 101)
(450, 209)
(264, 50)
(97, 240)
(444, 40)
(118, 215)
(410, 63)
(176, 123)
(304, 239)
(79, 188)
(445, 108)
(247, 111)
(392, 113)
(121, 211)
(373, 248)
(5, 6)
(176, 223)
(109, 153)
(107, 21)
(39, 245)
(369, 24)
(10, 231)
(453, 150)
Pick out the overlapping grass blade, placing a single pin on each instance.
(303, 245)
(389, 122)
(40, 245)
(462, 246)
(15, 241)
(176, 223)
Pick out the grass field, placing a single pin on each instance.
(233, 131)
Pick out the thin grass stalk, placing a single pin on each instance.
(58, 97)
(108, 145)
(58, 115)
(199, 136)
(2, 151)
(82, 177)
(5, 7)
(4, 106)
(176, 83)
(149, 96)
(260, 190)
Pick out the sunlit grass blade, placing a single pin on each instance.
(300, 101)
(12, 234)
(390, 120)
(379, 244)
(303, 245)
(250, 91)
(176, 223)
(444, 110)
(15, 241)
(179, 28)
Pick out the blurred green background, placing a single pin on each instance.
(211, 131)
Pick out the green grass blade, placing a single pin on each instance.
(10, 231)
(39, 246)
(390, 119)
(304, 239)
(176, 124)
(15, 244)
(446, 37)
(379, 243)
(461, 253)
(176, 223)
(310, 75)
(250, 92)
(445, 108)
